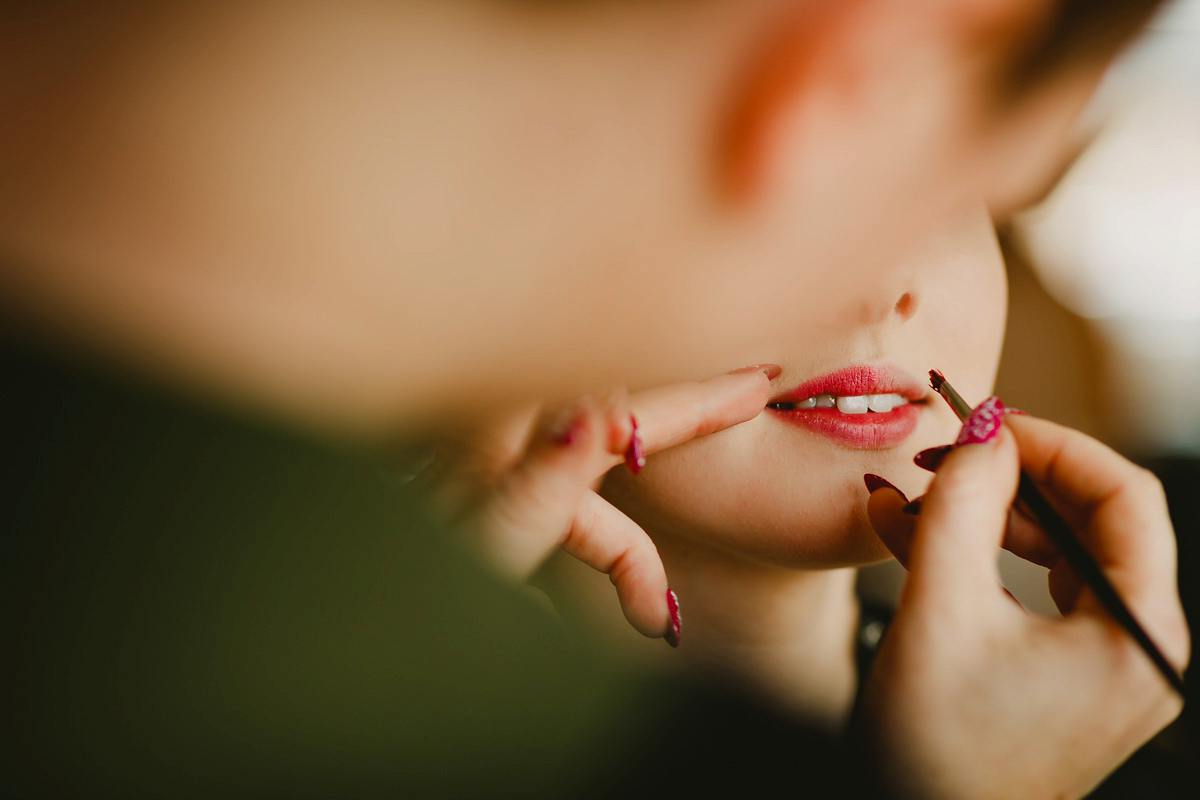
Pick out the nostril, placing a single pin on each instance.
(906, 306)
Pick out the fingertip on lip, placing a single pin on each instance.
(772, 371)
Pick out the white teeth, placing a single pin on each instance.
(881, 403)
(856, 404)
(853, 405)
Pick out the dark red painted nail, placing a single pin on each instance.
(635, 454)
(675, 630)
(932, 458)
(913, 508)
(875, 483)
(772, 371)
(984, 423)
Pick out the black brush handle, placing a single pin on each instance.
(1090, 573)
(1079, 558)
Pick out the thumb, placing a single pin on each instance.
(963, 518)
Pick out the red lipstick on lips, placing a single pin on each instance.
(873, 430)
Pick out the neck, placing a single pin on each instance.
(787, 634)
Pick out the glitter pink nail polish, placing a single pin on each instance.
(675, 630)
(635, 455)
(984, 423)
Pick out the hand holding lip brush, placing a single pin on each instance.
(963, 673)
(1076, 555)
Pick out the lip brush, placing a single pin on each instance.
(1079, 558)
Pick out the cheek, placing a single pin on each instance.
(966, 321)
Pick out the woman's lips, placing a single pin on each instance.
(856, 389)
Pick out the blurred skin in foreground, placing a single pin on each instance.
(367, 214)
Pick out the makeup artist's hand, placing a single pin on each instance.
(970, 695)
(526, 485)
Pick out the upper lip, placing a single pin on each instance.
(855, 381)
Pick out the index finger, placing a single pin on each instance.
(671, 415)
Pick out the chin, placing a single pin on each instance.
(767, 515)
(822, 544)
(837, 536)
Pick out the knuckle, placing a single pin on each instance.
(1172, 707)
(529, 502)
(707, 421)
(622, 567)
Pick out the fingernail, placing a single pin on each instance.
(772, 371)
(569, 428)
(635, 454)
(984, 423)
(932, 458)
(875, 483)
(914, 508)
(1016, 412)
(675, 630)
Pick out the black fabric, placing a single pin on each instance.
(196, 605)
(711, 741)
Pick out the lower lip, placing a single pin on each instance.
(869, 431)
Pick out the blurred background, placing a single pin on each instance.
(1117, 246)
(1104, 329)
